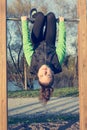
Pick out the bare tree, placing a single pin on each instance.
(15, 64)
(20, 8)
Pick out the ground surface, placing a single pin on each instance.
(47, 126)
(30, 114)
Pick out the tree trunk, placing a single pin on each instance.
(25, 76)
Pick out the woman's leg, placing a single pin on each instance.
(37, 30)
(50, 32)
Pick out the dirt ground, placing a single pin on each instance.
(47, 126)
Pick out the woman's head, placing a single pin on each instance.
(46, 79)
(45, 75)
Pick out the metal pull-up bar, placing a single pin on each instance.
(57, 19)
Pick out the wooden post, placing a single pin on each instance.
(3, 82)
(82, 63)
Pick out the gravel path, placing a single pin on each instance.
(31, 108)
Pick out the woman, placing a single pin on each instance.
(43, 57)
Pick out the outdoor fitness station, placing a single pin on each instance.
(82, 64)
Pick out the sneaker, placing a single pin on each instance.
(33, 13)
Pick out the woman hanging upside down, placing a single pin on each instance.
(42, 55)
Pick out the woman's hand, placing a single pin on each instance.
(23, 18)
(61, 19)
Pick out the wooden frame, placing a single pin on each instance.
(82, 64)
(3, 78)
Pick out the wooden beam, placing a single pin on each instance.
(3, 82)
(82, 63)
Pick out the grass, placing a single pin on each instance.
(67, 91)
(58, 92)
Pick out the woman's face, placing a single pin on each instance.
(45, 74)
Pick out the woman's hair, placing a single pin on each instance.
(46, 91)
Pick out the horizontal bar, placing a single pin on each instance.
(19, 19)
(57, 19)
(69, 20)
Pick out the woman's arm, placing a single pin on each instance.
(61, 44)
(27, 45)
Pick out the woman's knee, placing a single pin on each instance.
(50, 16)
(40, 15)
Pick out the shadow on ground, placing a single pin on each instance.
(44, 122)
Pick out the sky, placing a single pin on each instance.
(9, 1)
(48, 1)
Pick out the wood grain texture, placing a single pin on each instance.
(82, 63)
(3, 78)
